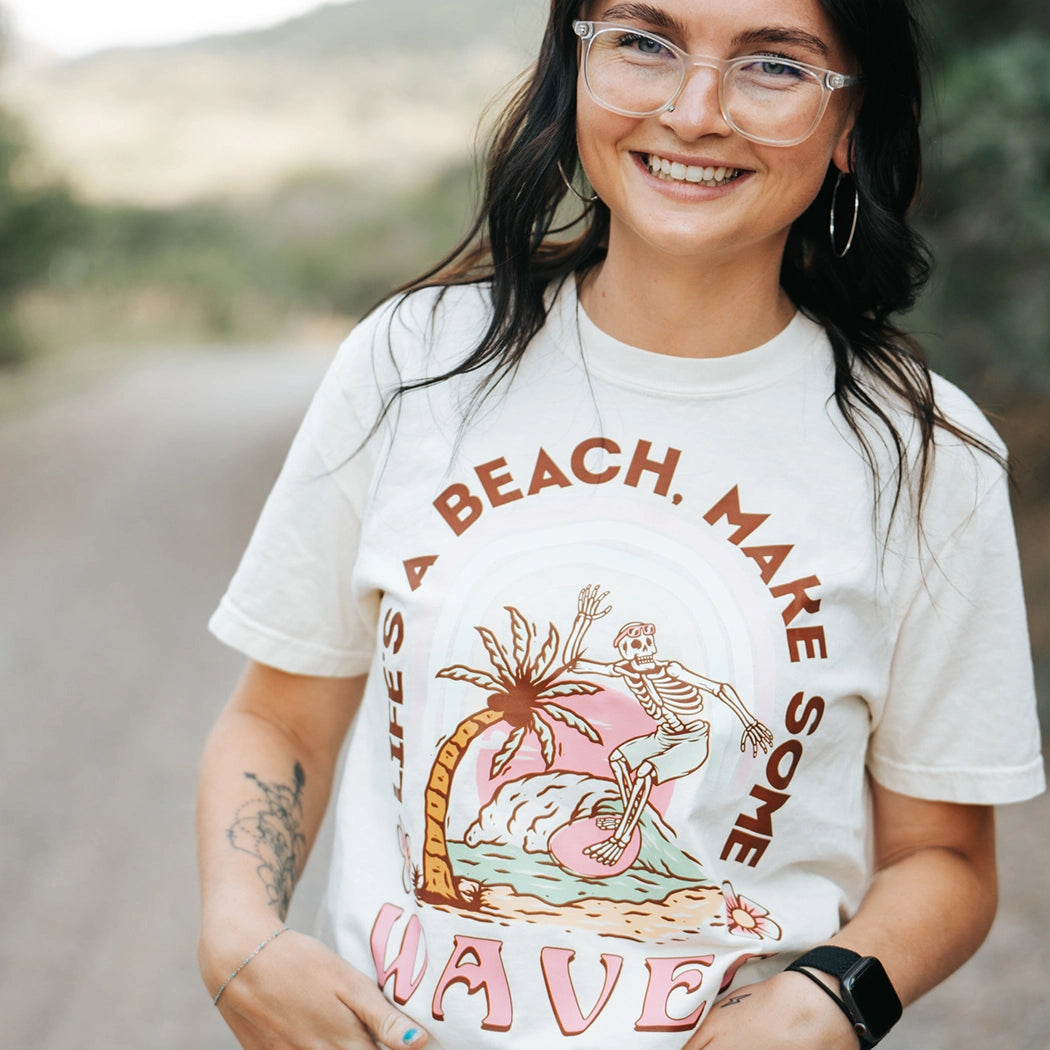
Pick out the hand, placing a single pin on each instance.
(589, 601)
(758, 736)
(780, 1013)
(296, 994)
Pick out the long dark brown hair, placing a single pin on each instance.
(514, 244)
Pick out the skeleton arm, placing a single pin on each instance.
(582, 666)
(587, 611)
(755, 732)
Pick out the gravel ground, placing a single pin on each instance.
(124, 511)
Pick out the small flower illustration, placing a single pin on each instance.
(745, 917)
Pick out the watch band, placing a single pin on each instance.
(837, 962)
(829, 958)
(824, 988)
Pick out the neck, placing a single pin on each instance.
(686, 308)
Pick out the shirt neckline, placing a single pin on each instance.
(604, 356)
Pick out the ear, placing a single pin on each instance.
(842, 156)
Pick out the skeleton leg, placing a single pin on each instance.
(611, 849)
(621, 773)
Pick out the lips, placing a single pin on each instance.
(696, 174)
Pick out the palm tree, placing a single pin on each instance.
(520, 689)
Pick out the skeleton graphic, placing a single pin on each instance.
(673, 696)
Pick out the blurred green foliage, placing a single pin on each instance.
(35, 223)
(335, 243)
(985, 208)
(322, 244)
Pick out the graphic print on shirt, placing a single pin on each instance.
(584, 837)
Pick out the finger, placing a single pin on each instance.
(389, 1025)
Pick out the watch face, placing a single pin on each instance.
(868, 992)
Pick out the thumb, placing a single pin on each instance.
(389, 1025)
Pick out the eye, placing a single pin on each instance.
(636, 644)
(643, 45)
(773, 69)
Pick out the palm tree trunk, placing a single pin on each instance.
(439, 882)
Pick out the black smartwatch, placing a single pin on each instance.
(868, 998)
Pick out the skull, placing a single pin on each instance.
(636, 643)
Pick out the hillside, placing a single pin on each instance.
(392, 87)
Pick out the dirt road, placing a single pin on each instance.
(122, 513)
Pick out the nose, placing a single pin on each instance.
(696, 110)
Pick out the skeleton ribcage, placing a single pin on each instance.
(679, 702)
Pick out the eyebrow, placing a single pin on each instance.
(782, 35)
(660, 19)
(653, 16)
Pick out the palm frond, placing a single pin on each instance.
(547, 655)
(546, 739)
(510, 748)
(522, 635)
(571, 688)
(497, 654)
(482, 679)
(573, 720)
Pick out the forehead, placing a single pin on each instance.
(723, 24)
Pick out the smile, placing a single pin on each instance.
(674, 171)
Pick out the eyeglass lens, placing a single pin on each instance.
(765, 97)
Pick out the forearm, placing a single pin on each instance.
(261, 799)
(928, 908)
(264, 784)
(923, 917)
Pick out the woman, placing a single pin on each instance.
(674, 606)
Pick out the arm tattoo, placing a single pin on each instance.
(735, 1001)
(270, 829)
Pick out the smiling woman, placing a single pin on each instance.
(674, 603)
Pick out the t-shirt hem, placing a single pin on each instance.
(966, 786)
(268, 646)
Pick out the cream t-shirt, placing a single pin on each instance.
(636, 640)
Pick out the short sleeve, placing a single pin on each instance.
(291, 603)
(959, 723)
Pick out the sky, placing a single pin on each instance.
(76, 27)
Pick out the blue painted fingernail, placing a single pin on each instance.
(411, 1035)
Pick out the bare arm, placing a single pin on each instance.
(265, 780)
(929, 907)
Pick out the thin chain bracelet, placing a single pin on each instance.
(273, 936)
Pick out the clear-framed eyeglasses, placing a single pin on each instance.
(768, 99)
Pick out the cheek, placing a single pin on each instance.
(598, 136)
(797, 172)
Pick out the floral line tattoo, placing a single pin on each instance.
(270, 829)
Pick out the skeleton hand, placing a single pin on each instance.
(758, 736)
(588, 602)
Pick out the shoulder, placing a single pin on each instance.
(966, 491)
(407, 339)
(968, 464)
(423, 332)
(959, 409)
(940, 485)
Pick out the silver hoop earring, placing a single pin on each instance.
(572, 189)
(853, 226)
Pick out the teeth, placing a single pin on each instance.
(709, 176)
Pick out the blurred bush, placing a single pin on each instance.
(321, 245)
(986, 211)
(335, 243)
(36, 222)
